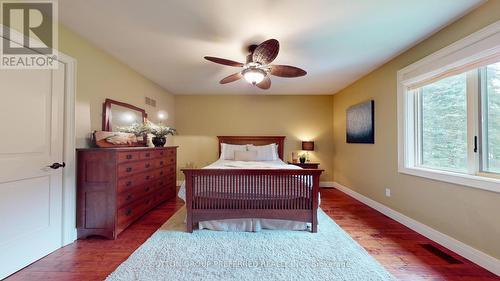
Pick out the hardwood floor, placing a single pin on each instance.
(396, 247)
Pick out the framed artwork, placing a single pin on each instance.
(360, 127)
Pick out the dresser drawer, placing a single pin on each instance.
(170, 160)
(165, 152)
(164, 194)
(136, 192)
(127, 169)
(170, 170)
(166, 161)
(160, 153)
(124, 184)
(127, 214)
(145, 155)
(160, 173)
(123, 157)
(168, 179)
(159, 163)
(128, 197)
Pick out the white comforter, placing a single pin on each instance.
(247, 224)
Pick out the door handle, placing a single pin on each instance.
(56, 166)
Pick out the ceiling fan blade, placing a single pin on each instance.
(266, 52)
(224, 61)
(265, 84)
(231, 78)
(287, 71)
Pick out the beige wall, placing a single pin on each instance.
(467, 214)
(101, 76)
(199, 119)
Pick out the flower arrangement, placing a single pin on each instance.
(138, 129)
(158, 130)
(161, 131)
(302, 158)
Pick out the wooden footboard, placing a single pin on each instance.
(216, 194)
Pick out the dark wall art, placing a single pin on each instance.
(360, 127)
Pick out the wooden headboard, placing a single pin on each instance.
(256, 140)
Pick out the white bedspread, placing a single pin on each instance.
(254, 224)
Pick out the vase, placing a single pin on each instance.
(159, 141)
(302, 160)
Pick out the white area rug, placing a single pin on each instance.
(172, 254)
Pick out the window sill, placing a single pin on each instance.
(479, 182)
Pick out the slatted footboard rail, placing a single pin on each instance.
(216, 194)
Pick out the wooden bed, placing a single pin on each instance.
(217, 194)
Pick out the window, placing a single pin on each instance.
(442, 108)
(453, 127)
(449, 113)
(490, 96)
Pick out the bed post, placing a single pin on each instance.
(189, 201)
(315, 203)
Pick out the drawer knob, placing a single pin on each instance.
(148, 177)
(129, 156)
(129, 183)
(148, 165)
(147, 154)
(161, 173)
(129, 169)
(161, 163)
(128, 212)
(129, 197)
(147, 189)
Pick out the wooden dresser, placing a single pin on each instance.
(116, 186)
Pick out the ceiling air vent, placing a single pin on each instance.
(151, 102)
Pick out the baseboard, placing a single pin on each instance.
(327, 184)
(482, 259)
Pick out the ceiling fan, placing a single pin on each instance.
(257, 68)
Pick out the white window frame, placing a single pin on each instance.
(479, 45)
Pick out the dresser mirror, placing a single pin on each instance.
(119, 114)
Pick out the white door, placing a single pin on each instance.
(31, 138)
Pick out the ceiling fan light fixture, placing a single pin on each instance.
(258, 69)
(254, 75)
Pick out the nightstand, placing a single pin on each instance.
(306, 165)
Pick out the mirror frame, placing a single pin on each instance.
(106, 110)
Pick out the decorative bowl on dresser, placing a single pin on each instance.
(116, 186)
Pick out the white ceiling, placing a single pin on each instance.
(335, 41)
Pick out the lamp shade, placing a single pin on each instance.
(308, 145)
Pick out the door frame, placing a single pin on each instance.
(68, 229)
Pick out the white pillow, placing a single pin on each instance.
(275, 152)
(265, 152)
(245, 155)
(227, 150)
